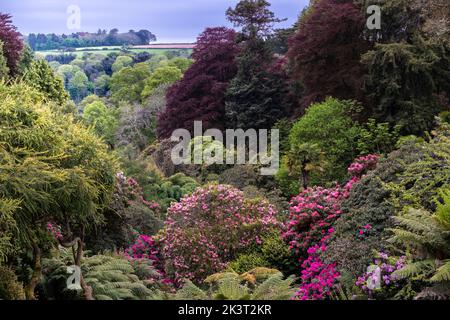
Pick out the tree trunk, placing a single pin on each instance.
(77, 260)
(37, 273)
(305, 179)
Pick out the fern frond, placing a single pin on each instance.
(442, 273)
(415, 268)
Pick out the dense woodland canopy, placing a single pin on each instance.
(359, 209)
(85, 39)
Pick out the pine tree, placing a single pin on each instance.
(258, 96)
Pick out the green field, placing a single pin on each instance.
(104, 50)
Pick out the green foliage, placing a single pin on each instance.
(429, 238)
(404, 82)
(111, 277)
(41, 77)
(162, 75)
(257, 284)
(181, 63)
(121, 62)
(7, 225)
(420, 181)
(78, 85)
(377, 138)
(4, 70)
(334, 134)
(10, 287)
(128, 83)
(26, 60)
(58, 168)
(247, 262)
(103, 120)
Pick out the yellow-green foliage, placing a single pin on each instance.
(4, 70)
(10, 287)
(7, 225)
(41, 76)
(55, 167)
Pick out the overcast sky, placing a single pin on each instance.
(169, 20)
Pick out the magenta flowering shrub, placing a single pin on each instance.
(143, 248)
(146, 250)
(208, 229)
(55, 230)
(380, 281)
(312, 214)
(363, 164)
(310, 227)
(318, 278)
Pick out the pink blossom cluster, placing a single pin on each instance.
(145, 248)
(363, 164)
(312, 214)
(206, 230)
(386, 267)
(318, 278)
(365, 229)
(55, 230)
(310, 226)
(134, 192)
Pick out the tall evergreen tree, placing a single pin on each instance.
(405, 81)
(256, 97)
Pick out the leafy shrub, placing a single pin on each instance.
(248, 262)
(111, 277)
(381, 281)
(210, 228)
(409, 176)
(333, 133)
(10, 287)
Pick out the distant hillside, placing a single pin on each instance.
(85, 39)
(166, 46)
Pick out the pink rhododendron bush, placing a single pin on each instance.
(208, 229)
(310, 227)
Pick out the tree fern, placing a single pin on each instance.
(256, 284)
(429, 235)
(275, 288)
(442, 273)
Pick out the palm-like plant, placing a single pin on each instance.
(257, 284)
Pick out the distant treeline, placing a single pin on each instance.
(85, 39)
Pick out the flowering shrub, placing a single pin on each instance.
(55, 230)
(134, 192)
(310, 226)
(363, 164)
(210, 228)
(318, 278)
(145, 250)
(311, 216)
(380, 278)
